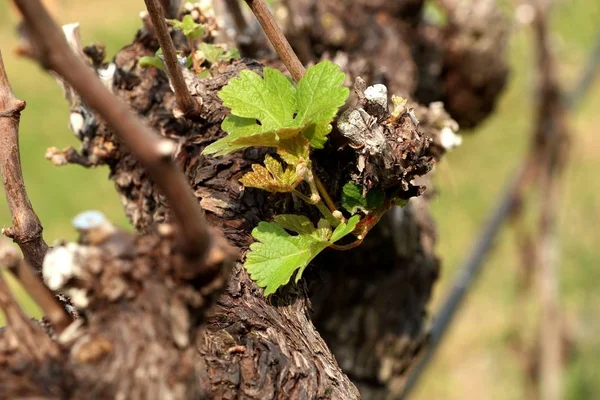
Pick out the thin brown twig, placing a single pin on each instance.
(53, 310)
(185, 101)
(324, 194)
(277, 38)
(153, 152)
(31, 340)
(27, 229)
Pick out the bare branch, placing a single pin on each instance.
(185, 101)
(53, 310)
(27, 229)
(31, 340)
(551, 139)
(277, 38)
(146, 146)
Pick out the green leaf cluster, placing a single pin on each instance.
(277, 254)
(268, 109)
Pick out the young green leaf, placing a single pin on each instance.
(270, 100)
(375, 199)
(272, 177)
(294, 150)
(213, 53)
(188, 26)
(271, 106)
(352, 198)
(320, 94)
(344, 229)
(147, 61)
(400, 202)
(243, 133)
(298, 224)
(277, 254)
(156, 61)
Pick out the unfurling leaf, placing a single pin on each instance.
(272, 177)
(353, 199)
(375, 199)
(213, 53)
(344, 229)
(277, 254)
(294, 151)
(188, 26)
(147, 61)
(271, 106)
(156, 61)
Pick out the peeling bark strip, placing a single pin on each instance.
(151, 329)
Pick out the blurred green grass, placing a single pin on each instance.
(476, 361)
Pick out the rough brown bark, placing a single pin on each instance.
(143, 317)
(374, 321)
(462, 63)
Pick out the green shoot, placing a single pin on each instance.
(269, 111)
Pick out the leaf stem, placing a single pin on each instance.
(324, 194)
(344, 247)
(185, 101)
(321, 206)
(277, 38)
(305, 198)
(310, 179)
(327, 214)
